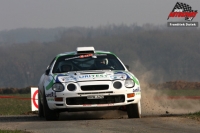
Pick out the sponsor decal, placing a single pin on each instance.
(100, 54)
(84, 76)
(120, 76)
(65, 79)
(50, 99)
(127, 75)
(85, 56)
(92, 76)
(136, 90)
(80, 56)
(52, 94)
(138, 93)
(58, 77)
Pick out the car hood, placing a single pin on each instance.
(99, 75)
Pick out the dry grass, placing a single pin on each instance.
(13, 131)
(16, 105)
(195, 116)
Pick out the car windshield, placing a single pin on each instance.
(87, 62)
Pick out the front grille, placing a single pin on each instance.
(94, 87)
(105, 100)
(86, 93)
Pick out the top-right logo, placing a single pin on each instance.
(183, 10)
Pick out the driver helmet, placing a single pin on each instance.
(100, 62)
(104, 61)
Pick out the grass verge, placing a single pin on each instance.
(15, 104)
(195, 116)
(13, 131)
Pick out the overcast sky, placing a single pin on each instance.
(86, 13)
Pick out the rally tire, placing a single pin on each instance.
(40, 107)
(49, 114)
(134, 110)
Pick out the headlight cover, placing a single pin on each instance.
(129, 83)
(71, 87)
(58, 87)
(117, 85)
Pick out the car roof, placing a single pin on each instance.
(75, 53)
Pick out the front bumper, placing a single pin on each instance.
(80, 100)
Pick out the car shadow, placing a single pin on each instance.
(93, 115)
(68, 116)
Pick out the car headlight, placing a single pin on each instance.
(117, 85)
(71, 87)
(129, 83)
(58, 87)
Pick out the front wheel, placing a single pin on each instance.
(40, 107)
(134, 110)
(48, 113)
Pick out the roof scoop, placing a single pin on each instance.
(85, 50)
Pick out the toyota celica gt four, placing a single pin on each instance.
(85, 80)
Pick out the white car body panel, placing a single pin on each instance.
(87, 78)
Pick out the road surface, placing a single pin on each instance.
(101, 122)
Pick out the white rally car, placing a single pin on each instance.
(86, 80)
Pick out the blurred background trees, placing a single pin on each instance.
(168, 53)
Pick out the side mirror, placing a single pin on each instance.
(47, 71)
(127, 66)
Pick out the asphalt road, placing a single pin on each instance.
(101, 122)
